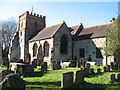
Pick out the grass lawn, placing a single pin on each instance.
(52, 79)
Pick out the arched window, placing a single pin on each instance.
(35, 49)
(40, 50)
(64, 44)
(46, 49)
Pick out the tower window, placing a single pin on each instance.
(82, 52)
(46, 49)
(64, 45)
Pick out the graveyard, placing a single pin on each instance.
(90, 76)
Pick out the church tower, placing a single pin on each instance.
(28, 26)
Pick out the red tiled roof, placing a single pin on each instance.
(46, 32)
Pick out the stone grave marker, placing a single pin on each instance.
(112, 77)
(104, 69)
(79, 76)
(67, 80)
(98, 70)
(44, 66)
(91, 71)
(118, 76)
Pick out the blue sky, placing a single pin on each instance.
(88, 13)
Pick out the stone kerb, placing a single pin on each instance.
(44, 66)
(79, 77)
(67, 80)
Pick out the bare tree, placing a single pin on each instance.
(7, 29)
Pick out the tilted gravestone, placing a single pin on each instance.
(98, 70)
(118, 76)
(67, 80)
(44, 66)
(79, 76)
(115, 66)
(112, 77)
(12, 81)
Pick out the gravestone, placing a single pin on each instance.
(67, 80)
(87, 65)
(98, 70)
(112, 77)
(54, 65)
(13, 81)
(115, 66)
(79, 77)
(104, 69)
(91, 71)
(108, 68)
(34, 64)
(44, 66)
(118, 76)
(58, 65)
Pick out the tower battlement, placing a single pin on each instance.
(31, 15)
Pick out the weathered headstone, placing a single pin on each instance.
(115, 66)
(44, 66)
(104, 69)
(79, 76)
(34, 64)
(67, 80)
(87, 65)
(54, 65)
(108, 68)
(118, 76)
(98, 70)
(58, 65)
(112, 77)
(91, 71)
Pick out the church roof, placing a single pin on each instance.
(94, 31)
(47, 32)
(74, 29)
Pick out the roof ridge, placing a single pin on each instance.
(98, 25)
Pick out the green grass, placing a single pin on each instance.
(3, 68)
(52, 79)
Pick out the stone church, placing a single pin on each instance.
(33, 41)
